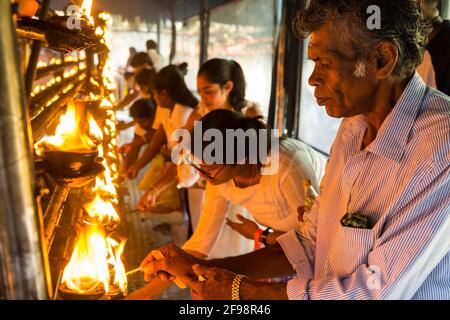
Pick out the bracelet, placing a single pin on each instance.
(264, 235)
(235, 287)
(257, 239)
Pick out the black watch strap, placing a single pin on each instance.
(264, 235)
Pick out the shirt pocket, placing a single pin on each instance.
(350, 249)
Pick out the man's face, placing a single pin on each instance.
(336, 86)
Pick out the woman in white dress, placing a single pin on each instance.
(175, 104)
(221, 85)
(271, 199)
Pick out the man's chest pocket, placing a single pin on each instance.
(350, 249)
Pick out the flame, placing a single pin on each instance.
(94, 129)
(101, 211)
(120, 277)
(105, 188)
(87, 269)
(108, 76)
(105, 104)
(42, 64)
(67, 136)
(107, 184)
(86, 9)
(99, 31)
(104, 16)
(112, 97)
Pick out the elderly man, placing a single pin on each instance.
(380, 226)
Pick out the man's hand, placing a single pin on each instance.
(247, 228)
(148, 199)
(215, 283)
(176, 263)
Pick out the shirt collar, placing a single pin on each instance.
(393, 135)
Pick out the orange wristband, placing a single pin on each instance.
(257, 239)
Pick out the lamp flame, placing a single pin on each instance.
(94, 129)
(120, 278)
(86, 9)
(87, 269)
(67, 135)
(101, 211)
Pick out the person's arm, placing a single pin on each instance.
(179, 263)
(126, 101)
(151, 290)
(148, 199)
(273, 236)
(123, 126)
(148, 136)
(247, 228)
(159, 138)
(217, 284)
(413, 242)
(255, 264)
(211, 221)
(131, 156)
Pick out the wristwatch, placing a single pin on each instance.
(236, 287)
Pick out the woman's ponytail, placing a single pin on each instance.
(237, 95)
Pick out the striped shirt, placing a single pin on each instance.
(401, 183)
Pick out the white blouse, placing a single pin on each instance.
(171, 120)
(203, 110)
(273, 202)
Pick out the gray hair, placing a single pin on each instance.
(402, 23)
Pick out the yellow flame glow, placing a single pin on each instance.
(99, 31)
(94, 129)
(87, 269)
(115, 258)
(86, 9)
(108, 76)
(106, 184)
(101, 211)
(105, 104)
(67, 136)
